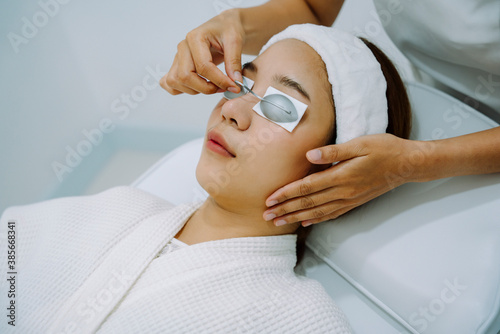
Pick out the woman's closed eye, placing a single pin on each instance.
(275, 106)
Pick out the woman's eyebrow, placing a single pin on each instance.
(280, 79)
(249, 67)
(288, 82)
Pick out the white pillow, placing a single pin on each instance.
(174, 176)
(426, 253)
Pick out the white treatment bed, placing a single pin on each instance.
(423, 258)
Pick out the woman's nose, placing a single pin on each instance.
(238, 112)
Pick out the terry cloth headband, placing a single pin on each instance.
(358, 84)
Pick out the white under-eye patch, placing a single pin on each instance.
(290, 113)
(248, 82)
(275, 106)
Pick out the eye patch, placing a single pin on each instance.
(276, 106)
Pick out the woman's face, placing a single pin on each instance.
(246, 157)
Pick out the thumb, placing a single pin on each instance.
(333, 153)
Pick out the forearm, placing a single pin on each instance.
(475, 153)
(262, 22)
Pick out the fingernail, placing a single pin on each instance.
(306, 223)
(233, 90)
(220, 90)
(273, 202)
(280, 223)
(237, 76)
(314, 155)
(269, 216)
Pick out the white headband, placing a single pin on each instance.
(358, 84)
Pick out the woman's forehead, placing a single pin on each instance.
(297, 60)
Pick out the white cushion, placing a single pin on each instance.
(428, 254)
(173, 177)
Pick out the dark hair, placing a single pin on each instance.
(399, 113)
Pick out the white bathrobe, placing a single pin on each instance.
(90, 264)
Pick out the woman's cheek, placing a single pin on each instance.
(213, 118)
(247, 153)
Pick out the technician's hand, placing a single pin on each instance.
(367, 167)
(219, 39)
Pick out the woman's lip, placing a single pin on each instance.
(216, 143)
(212, 145)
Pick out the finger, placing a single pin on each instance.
(303, 187)
(168, 88)
(233, 46)
(334, 153)
(164, 79)
(171, 83)
(318, 212)
(188, 78)
(301, 203)
(333, 215)
(202, 58)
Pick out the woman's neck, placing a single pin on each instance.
(214, 222)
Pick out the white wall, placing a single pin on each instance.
(70, 74)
